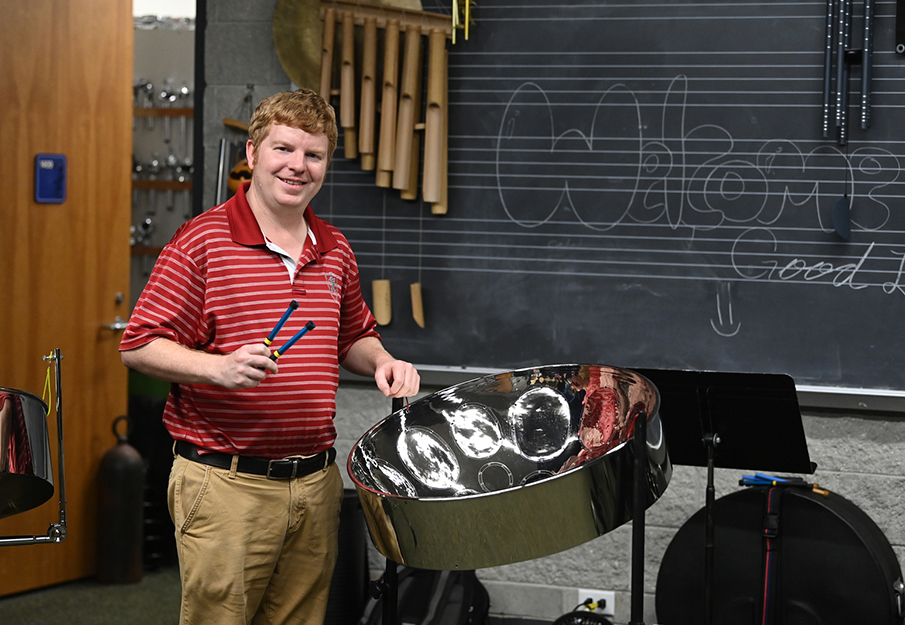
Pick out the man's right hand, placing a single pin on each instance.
(169, 361)
(246, 367)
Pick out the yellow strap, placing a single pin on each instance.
(48, 393)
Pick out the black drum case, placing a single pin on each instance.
(782, 556)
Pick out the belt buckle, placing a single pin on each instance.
(295, 467)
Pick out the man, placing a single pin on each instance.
(256, 534)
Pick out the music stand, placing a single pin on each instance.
(731, 421)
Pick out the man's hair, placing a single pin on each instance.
(303, 109)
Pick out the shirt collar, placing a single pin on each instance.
(244, 228)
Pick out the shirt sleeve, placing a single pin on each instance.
(171, 305)
(356, 319)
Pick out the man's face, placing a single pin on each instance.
(288, 168)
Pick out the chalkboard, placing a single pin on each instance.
(647, 185)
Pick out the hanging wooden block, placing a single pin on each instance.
(417, 304)
(383, 305)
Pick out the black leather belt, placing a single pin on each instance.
(273, 469)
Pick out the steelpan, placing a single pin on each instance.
(508, 467)
(26, 476)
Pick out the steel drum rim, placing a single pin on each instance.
(586, 497)
(382, 423)
(15, 391)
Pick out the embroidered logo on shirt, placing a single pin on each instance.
(333, 285)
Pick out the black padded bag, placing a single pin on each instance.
(829, 564)
(428, 597)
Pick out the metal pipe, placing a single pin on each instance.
(828, 69)
(867, 64)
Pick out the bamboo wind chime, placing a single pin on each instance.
(393, 149)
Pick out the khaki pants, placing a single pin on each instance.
(253, 550)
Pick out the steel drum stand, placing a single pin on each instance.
(731, 421)
(639, 498)
(389, 587)
(56, 533)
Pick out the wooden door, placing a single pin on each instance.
(65, 88)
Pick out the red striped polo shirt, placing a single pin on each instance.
(215, 287)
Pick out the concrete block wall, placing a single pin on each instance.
(238, 49)
(861, 457)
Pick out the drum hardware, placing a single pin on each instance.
(19, 500)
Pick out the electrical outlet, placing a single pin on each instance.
(606, 599)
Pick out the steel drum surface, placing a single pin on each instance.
(26, 475)
(508, 467)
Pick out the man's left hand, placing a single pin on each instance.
(397, 378)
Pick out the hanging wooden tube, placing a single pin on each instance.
(327, 53)
(411, 191)
(386, 145)
(405, 120)
(440, 207)
(383, 306)
(434, 121)
(417, 303)
(347, 86)
(368, 109)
